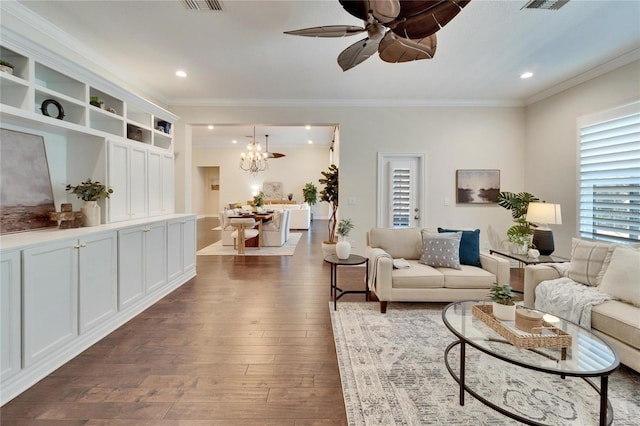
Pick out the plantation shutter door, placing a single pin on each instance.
(401, 175)
(609, 199)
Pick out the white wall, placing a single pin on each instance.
(452, 137)
(552, 141)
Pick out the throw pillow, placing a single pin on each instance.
(441, 249)
(622, 277)
(469, 246)
(587, 259)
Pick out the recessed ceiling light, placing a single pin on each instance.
(210, 127)
(234, 141)
(181, 73)
(310, 141)
(307, 127)
(525, 75)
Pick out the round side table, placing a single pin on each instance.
(352, 260)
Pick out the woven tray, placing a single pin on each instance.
(559, 338)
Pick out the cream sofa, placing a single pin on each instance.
(420, 282)
(300, 214)
(598, 265)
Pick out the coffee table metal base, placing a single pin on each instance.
(606, 410)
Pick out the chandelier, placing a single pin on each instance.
(254, 160)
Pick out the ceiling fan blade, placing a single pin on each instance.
(393, 48)
(383, 10)
(423, 18)
(328, 31)
(357, 53)
(275, 155)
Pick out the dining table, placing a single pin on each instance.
(260, 218)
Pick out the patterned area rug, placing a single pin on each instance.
(393, 373)
(287, 249)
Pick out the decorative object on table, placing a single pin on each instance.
(544, 214)
(290, 196)
(52, 108)
(503, 299)
(556, 338)
(254, 159)
(343, 246)
(533, 253)
(528, 320)
(398, 32)
(25, 183)
(330, 194)
(6, 67)
(520, 234)
(477, 186)
(67, 217)
(310, 195)
(90, 192)
(258, 200)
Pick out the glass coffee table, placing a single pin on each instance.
(589, 356)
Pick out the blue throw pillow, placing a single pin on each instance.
(469, 246)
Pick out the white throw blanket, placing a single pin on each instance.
(375, 255)
(567, 299)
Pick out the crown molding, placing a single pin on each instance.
(409, 103)
(597, 71)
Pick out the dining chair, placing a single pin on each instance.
(244, 231)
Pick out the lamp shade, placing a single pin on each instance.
(544, 213)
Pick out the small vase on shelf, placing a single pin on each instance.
(91, 212)
(343, 248)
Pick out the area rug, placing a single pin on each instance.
(393, 373)
(287, 249)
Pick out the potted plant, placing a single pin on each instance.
(310, 195)
(258, 200)
(520, 234)
(330, 194)
(343, 246)
(503, 299)
(290, 196)
(6, 67)
(90, 192)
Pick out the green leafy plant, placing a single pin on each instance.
(330, 194)
(6, 64)
(90, 190)
(310, 194)
(344, 227)
(518, 203)
(258, 199)
(502, 294)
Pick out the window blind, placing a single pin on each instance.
(401, 197)
(609, 199)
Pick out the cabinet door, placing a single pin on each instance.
(50, 274)
(155, 255)
(118, 180)
(138, 182)
(10, 313)
(189, 244)
(174, 248)
(168, 184)
(98, 279)
(155, 183)
(130, 266)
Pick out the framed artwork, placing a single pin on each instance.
(477, 186)
(26, 197)
(272, 190)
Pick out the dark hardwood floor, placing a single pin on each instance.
(246, 342)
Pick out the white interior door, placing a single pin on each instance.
(400, 190)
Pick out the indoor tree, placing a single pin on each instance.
(330, 194)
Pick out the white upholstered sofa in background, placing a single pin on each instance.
(300, 214)
(421, 282)
(595, 267)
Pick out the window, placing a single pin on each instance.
(609, 199)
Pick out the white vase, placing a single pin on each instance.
(343, 248)
(91, 212)
(504, 312)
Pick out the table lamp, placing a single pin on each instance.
(544, 214)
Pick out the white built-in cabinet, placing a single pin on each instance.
(160, 188)
(10, 314)
(181, 243)
(128, 173)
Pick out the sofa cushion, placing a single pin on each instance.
(467, 277)
(441, 250)
(405, 242)
(587, 259)
(417, 276)
(469, 246)
(619, 320)
(622, 277)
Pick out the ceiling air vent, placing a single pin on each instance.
(203, 5)
(545, 4)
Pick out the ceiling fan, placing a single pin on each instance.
(269, 153)
(399, 30)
